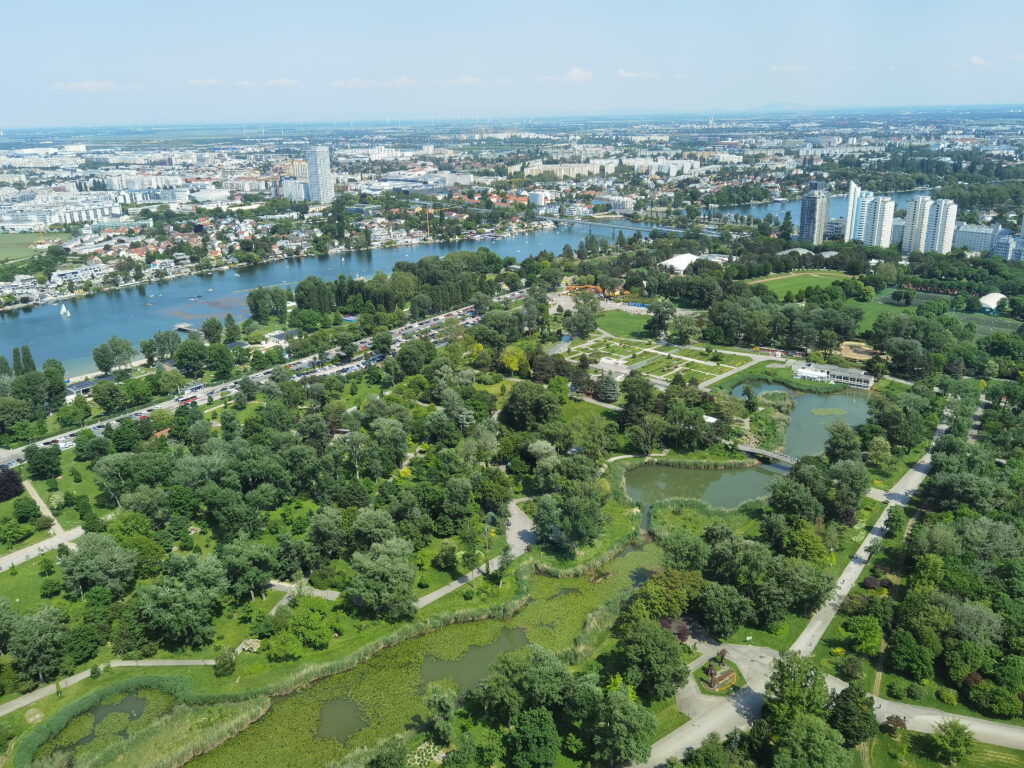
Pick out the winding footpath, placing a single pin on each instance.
(519, 535)
(715, 714)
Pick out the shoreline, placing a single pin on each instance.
(539, 226)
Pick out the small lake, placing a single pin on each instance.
(808, 421)
(727, 488)
(339, 719)
(474, 664)
(131, 705)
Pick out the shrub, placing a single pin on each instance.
(224, 665)
(896, 689)
(915, 691)
(947, 696)
(850, 669)
(56, 501)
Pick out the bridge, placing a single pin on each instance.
(773, 456)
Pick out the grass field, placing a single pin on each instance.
(884, 752)
(989, 324)
(872, 311)
(782, 285)
(17, 245)
(620, 323)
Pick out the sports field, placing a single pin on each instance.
(17, 245)
(780, 285)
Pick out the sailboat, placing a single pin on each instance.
(64, 311)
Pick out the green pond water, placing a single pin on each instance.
(472, 667)
(805, 436)
(341, 717)
(131, 704)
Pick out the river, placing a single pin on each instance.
(139, 312)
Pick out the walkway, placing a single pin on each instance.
(775, 456)
(717, 714)
(754, 360)
(519, 535)
(46, 690)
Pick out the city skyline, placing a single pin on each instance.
(567, 60)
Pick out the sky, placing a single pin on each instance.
(111, 62)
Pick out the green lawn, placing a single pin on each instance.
(797, 281)
(780, 640)
(17, 245)
(872, 311)
(884, 752)
(624, 324)
(989, 324)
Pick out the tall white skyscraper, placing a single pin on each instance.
(941, 223)
(876, 227)
(321, 180)
(930, 225)
(851, 206)
(813, 216)
(915, 231)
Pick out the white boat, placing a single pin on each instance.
(64, 311)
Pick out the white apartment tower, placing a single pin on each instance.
(321, 180)
(876, 227)
(915, 231)
(851, 207)
(941, 223)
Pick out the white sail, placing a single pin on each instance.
(64, 311)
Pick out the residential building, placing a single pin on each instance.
(876, 225)
(896, 235)
(975, 237)
(941, 222)
(321, 180)
(851, 205)
(915, 231)
(813, 216)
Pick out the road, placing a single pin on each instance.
(304, 367)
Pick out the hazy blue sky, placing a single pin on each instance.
(66, 62)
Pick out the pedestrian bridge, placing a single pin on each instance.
(774, 456)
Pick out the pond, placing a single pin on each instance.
(812, 413)
(724, 488)
(475, 662)
(727, 488)
(131, 705)
(339, 719)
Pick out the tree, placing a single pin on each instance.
(220, 361)
(224, 664)
(529, 405)
(843, 443)
(853, 714)
(866, 634)
(795, 687)
(582, 321)
(850, 481)
(879, 452)
(682, 330)
(909, 657)
(953, 741)
(37, 643)
(98, 561)
(212, 330)
(651, 660)
(190, 357)
(42, 463)
(441, 706)
(661, 312)
(809, 742)
(723, 609)
(249, 564)
(606, 388)
(381, 341)
(103, 357)
(10, 484)
(383, 578)
(107, 395)
(393, 754)
(622, 730)
(645, 436)
(532, 740)
(794, 500)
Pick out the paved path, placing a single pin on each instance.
(46, 690)
(721, 714)
(519, 535)
(25, 554)
(754, 360)
(30, 489)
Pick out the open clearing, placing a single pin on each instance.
(15, 246)
(780, 285)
